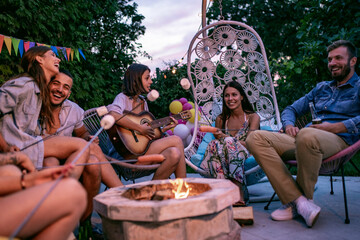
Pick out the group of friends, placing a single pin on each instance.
(42, 132)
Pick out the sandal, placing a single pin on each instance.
(239, 204)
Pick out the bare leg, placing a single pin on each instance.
(173, 150)
(67, 148)
(241, 190)
(91, 179)
(51, 161)
(10, 170)
(56, 217)
(108, 174)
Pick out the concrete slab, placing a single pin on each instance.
(330, 224)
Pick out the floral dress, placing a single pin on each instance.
(225, 157)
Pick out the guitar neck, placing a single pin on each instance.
(164, 121)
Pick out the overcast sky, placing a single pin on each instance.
(170, 26)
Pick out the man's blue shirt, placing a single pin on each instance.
(332, 104)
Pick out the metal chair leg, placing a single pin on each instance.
(268, 204)
(347, 220)
(331, 185)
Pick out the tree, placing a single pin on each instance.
(167, 82)
(295, 34)
(105, 30)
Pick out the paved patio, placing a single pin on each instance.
(330, 224)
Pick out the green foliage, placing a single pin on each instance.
(106, 31)
(295, 34)
(168, 85)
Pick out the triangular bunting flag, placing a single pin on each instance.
(21, 47)
(15, 43)
(55, 50)
(8, 43)
(77, 55)
(26, 46)
(81, 53)
(63, 51)
(72, 54)
(1, 41)
(68, 50)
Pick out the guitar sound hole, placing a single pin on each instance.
(144, 121)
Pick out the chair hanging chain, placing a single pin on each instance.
(220, 8)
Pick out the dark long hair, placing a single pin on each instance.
(245, 104)
(132, 84)
(33, 69)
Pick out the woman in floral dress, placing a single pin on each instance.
(225, 156)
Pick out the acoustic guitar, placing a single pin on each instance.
(130, 143)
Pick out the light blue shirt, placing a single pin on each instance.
(71, 116)
(19, 112)
(332, 104)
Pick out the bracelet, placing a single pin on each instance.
(22, 181)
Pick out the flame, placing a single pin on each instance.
(178, 185)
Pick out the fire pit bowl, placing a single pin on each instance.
(205, 214)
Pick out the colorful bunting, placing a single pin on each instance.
(15, 43)
(81, 53)
(68, 50)
(1, 42)
(8, 43)
(23, 46)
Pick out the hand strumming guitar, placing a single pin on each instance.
(147, 131)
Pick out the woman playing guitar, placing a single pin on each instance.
(137, 81)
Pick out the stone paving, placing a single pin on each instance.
(330, 224)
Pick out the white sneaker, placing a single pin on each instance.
(285, 212)
(309, 211)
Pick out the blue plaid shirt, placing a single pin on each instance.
(332, 104)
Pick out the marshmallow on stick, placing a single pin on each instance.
(185, 83)
(107, 122)
(152, 95)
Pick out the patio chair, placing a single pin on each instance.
(228, 51)
(329, 166)
(126, 170)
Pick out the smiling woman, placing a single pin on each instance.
(25, 99)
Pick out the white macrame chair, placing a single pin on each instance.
(219, 53)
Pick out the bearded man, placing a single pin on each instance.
(68, 118)
(337, 103)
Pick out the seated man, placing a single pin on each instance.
(337, 103)
(68, 117)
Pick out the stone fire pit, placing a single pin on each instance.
(205, 214)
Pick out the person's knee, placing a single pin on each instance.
(307, 137)
(10, 170)
(175, 155)
(51, 161)
(95, 148)
(253, 139)
(75, 192)
(93, 168)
